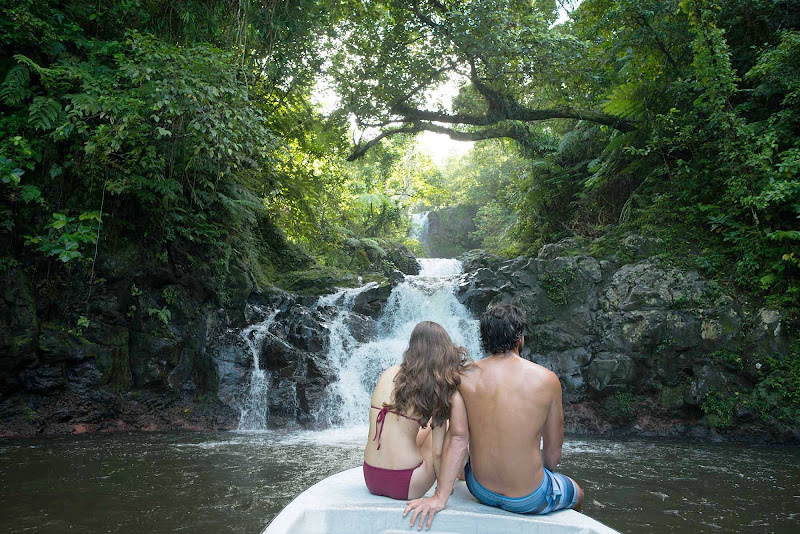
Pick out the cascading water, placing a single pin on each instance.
(419, 228)
(427, 297)
(255, 409)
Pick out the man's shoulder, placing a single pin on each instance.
(543, 376)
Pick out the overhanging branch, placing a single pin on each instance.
(362, 148)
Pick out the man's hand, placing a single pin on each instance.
(424, 508)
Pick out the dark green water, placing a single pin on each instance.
(229, 482)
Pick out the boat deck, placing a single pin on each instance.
(341, 504)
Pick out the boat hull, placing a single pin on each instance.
(341, 504)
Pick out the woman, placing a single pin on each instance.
(401, 460)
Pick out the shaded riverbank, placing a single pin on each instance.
(236, 482)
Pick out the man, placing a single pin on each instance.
(503, 409)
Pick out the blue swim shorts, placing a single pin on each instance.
(556, 492)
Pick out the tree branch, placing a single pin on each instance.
(360, 149)
(512, 113)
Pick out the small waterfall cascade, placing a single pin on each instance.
(430, 296)
(419, 228)
(255, 409)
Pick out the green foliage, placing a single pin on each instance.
(556, 284)
(620, 405)
(718, 408)
(729, 359)
(66, 235)
(162, 314)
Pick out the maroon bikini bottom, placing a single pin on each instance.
(392, 483)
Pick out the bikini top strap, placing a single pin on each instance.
(381, 419)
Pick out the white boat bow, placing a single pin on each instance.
(341, 504)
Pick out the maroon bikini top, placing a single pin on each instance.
(382, 419)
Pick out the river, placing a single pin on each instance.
(236, 482)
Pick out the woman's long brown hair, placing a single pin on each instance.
(429, 374)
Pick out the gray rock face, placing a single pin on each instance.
(615, 332)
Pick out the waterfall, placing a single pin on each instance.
(256, 405)
(430, 296)
(419, 228)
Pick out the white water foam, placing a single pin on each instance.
(427, 297)
(255, 410)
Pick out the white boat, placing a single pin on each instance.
(341, 504)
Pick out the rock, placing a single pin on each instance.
(552, 251)
(362, 328)
(283, 403)
(609, 371)
(642, 334)
(567, 365)
(44, 378)
(403, 260)
(302, 328)
(450, 231)
(397, 277)
(640, 247)
(278, 355)
(372, 301)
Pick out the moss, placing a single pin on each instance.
(317, 281)
(718, 407)
(556, 284)
(118, 374)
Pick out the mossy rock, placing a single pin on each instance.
(317, 281)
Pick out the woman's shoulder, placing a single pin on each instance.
(387, 378)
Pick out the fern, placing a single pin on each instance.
(44, 72)
(15, 87)
(624, 102)
(43, 113)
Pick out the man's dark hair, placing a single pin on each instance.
(501, 327)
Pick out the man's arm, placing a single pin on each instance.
(437, 445)
(553, 430)
(453, 458)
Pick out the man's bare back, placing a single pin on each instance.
(511, 404)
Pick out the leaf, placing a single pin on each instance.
(15, 87)
(68, 255)
(43, 113)
(30, 193)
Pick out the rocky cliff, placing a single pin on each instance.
(154, 343)
(643, 348)
(450, 231)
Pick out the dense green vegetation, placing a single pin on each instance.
(192, 130)
(676, 119)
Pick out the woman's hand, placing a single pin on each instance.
(425, 507)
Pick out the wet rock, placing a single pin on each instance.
(362, 328)
(302, 328)
(283, 403)
(403, 260)
(372, 301)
